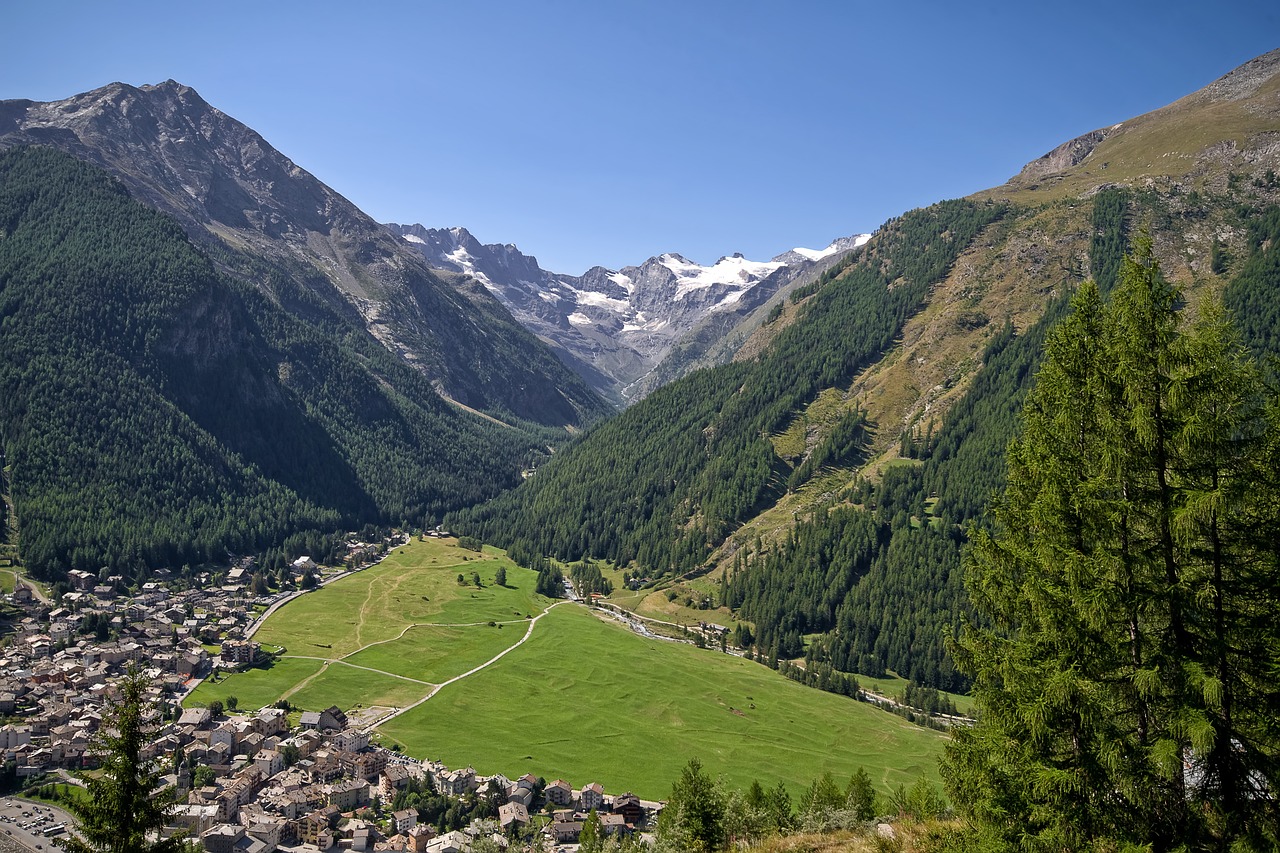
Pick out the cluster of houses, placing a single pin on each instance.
(319, 797)
(247, 783)
(58, 664)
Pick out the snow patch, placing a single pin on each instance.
(414, 238)
(819, 254)
(577, 318)
(730, 299)
(623, 281)
(646, 325)
(814, 254)
(734, 271)
(461, 257)
(599, 300)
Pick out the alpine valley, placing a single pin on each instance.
(207, 352)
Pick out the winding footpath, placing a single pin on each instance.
(499, 656)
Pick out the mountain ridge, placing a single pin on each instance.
(230, 188)
(618, 327)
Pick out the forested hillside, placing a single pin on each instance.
(866, 576)
(665, 481)
(269, 222)
(877, 572)
(154, 411)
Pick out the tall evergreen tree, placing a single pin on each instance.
(1127, 675)
(124, 808)
(693, 819)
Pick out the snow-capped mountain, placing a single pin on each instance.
(617, 326)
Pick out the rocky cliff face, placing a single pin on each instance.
(616, 327)
(251, 205)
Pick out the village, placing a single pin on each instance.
(256, 780)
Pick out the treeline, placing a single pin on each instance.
(155, 411)
(668, 479)
(1253, 294)
(705, 814)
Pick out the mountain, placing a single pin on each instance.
(626, 331)
(249, 205)
(209, 351)
(820, 487)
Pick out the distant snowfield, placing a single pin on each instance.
(623, 321)
(734, 271)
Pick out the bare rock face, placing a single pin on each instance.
(1244, 82)
(1066, 155)
(616, 327)
(230, 188)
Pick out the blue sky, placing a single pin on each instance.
(605, 132)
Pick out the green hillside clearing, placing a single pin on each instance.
(587, 700)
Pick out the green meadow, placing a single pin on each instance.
(588, 700)
(584, 699)
(384, 636)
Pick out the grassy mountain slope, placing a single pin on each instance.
(669, 478)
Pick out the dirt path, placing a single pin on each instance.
(499, 656)
(435, 687)
(328, 662)
(304, 682)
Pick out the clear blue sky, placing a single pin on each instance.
(605, 131)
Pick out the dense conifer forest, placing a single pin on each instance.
(869, 582)
(158, 412)
(668, 479)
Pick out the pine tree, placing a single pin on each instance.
(1126, 673)
(124, 808)
(860, 797)
(693, 819)
(591, 839)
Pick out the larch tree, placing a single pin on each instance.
(1125, 666)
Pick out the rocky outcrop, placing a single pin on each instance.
(1065, 156)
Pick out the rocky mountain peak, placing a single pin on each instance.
(617, 326)
(225, 184)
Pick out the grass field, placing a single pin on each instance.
(384, 636)
(583, 699)
(590, 701)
